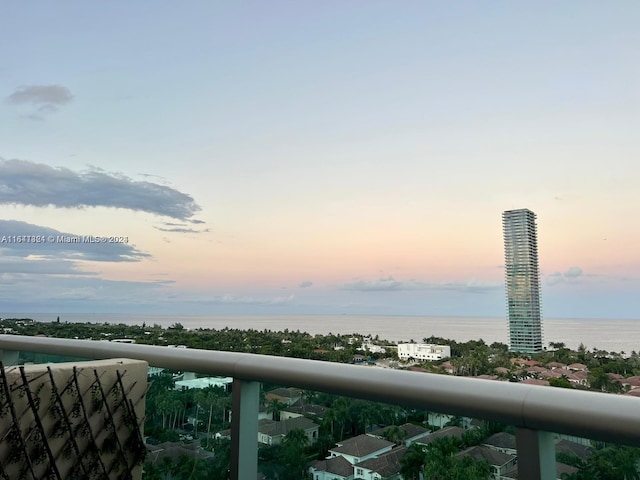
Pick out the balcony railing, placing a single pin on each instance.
(535, 411)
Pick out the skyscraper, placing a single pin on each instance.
(522, 278)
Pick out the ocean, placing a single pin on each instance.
(612, 335)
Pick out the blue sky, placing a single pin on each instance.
(289, 157)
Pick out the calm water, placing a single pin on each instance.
(610, 334)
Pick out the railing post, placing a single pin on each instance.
(9, 357)
(536, 454)
(244, 429)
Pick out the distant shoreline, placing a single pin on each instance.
(607, 334)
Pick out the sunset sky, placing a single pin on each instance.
(318, 157)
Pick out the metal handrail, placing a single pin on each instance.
(599, 416)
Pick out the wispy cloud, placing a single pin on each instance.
(67, 292)
(40, 99)
(231, 299)
(571, 275)
(49, 243)
(390, 284)
(305, 284)
(46, 96)
(28, 183)
(181, 227)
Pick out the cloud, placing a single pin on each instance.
(40, 266)
(18, 292)
(27, 183)
(181, 230)
(305, 284)
(47, 96)
(56, 274)
(573, 272)
(382, 284)
(390, 284)
(571, 275)
(40, 99)
(247, 300)
(26, 240)
(180, 227)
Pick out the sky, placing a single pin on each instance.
(291, 157)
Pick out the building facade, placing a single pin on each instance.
(522, 278)
(423, 351)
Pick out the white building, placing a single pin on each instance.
(423, 351)
(371, 348)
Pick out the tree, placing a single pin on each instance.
(274, 407)
(561, 382)
(613, 462)
(395, 434)
(189, 468)
(413, 462)
(292, 456)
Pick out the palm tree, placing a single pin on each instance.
(413, 462)
(274, 407)
(292, 454)
(395, 434)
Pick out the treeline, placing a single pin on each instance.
(287, 343)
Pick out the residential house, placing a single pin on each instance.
(500, 462)
(502, 442)
(410, 433)
(288, 396)
(436, 419)
(574, 449)
(272, 432)
(303, 408)
(360, 448)
(386, 466)
(535, 381)
(333, 468)
(561, 469)
(578, 367)
(443, 433)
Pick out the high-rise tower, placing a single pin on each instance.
(522, 280)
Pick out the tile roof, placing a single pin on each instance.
(485, 453)
(573, 448)
(336, 465)
(633, 381)
(577, 366)
(273, 427)
(556, 365)
(361, 446)
(501, 440)
(534, 381)
(289, 392)
(303, 407)
(410, 429)
(443, 433)
(561, 468)
(387, 464)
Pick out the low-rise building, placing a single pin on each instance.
(423, 351)
(333, 468)
(272, 432)
(360, 448)
(386, 466)
(502, 442)
(500, 462)
(409, 433)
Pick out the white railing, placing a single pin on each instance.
(535, 411)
